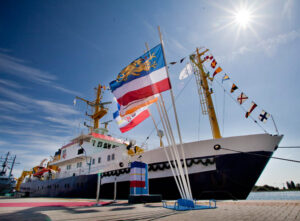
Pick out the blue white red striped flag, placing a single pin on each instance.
(142, 78)
(130, 121)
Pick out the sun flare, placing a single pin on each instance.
(243, 18)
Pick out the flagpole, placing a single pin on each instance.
(175, 113)
(176, 177)
(275, 124)
(147, 47)
(98, 187)
(168, 158)
(172, 146)
(173, 149)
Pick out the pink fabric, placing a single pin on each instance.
(51, 204)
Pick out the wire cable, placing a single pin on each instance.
(260, 155)
(176, 97)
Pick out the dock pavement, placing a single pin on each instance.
(121, 210)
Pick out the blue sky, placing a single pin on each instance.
(51, 51)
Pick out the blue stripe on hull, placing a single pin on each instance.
(234, 178)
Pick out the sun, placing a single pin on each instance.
(243, 18)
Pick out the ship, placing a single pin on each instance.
(7, 180)
(218, 168)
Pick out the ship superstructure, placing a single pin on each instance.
(7, 180)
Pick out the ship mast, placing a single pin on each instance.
(99, 109)
(205, 94)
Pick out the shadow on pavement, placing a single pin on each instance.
(119, 212)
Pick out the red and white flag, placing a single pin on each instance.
(242, 98)
(130, 121)
(252, 107)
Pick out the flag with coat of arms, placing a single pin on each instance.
(140, 80)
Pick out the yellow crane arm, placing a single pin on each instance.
(21, 178)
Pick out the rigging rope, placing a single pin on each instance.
(260, 155)
(255, 121)
(199, 121)
(176, 97)
(223, 120)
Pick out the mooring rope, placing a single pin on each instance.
(260, 155)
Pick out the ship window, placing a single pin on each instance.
(99, 144)
(68, 167)
(99, 159)
(105, 145)
(93, 161)
(94, 142)
(113, 156)
(114, 146)
(108, 146)
(79, 164)
(108, 157)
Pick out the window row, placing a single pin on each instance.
(103, 144)
(56, 186)
(109, 158)
(78, 165)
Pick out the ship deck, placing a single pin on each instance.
(120, 210)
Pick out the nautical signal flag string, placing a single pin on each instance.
(175, 62)
(242, 97)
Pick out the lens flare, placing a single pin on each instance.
(243, 18)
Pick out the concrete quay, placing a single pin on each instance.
(120, 210)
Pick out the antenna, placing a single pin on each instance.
(99, 109)
(106, 123)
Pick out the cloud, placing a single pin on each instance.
(10, 83)
(49, 107)
(3, 143)
(287, 9)
(17, 120)
(19, 68)
(269, 46)
(56, 108)
(66, 90)
(64, 121)
(12, 106)
(177, 44)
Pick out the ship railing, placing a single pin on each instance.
(74, 172)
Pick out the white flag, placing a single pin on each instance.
(186, 71)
